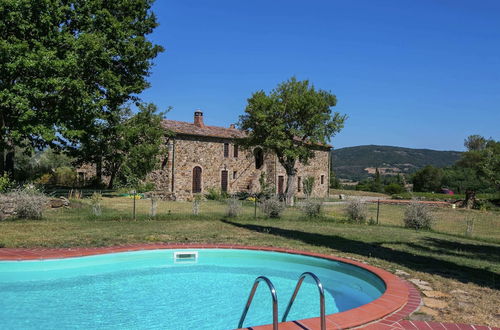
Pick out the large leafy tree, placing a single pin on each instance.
(132, 145)
(428, 179)
(65, 65)
(291, 121)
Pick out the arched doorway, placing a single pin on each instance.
(196, 180)
(259, 157)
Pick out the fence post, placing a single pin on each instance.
(378, 208)
(255, 207)
(133, 197)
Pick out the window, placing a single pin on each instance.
(322, 179)
(299, 184)
(235, 153)
(196, 180)
(234, 175)
(226, 149)
(223, 181)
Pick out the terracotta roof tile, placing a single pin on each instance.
(185, 128)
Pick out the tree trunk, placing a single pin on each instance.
(2, 145)
(9, 161)
(2, 159)
(290, 186)
(470, 199)
(112, 180)
(98, 170)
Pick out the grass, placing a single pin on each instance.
(353, 192)
(445, 259)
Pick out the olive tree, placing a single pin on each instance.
(292, 120)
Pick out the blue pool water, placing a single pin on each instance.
(150, 289)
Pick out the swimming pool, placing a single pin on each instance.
(153, 289)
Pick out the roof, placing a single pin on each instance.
(185, 128)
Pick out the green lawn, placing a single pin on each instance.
(447, 261)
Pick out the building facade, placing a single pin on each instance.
(200, 158)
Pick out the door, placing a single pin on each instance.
(223, 181)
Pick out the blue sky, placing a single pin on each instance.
(412, 73)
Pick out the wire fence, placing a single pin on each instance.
(472, 223)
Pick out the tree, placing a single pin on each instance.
(132, 145)
(428, 179)
(65, 64)
(475, 143)
(291, 121)
(334, 181)
(376, 185)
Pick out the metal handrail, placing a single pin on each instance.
(321, 298)
(250, 298)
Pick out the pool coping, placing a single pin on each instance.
(398, 301)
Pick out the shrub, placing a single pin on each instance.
(5, 183)
(64, 176)
(154, 206)
(215, 195)
(312, 208)
(394, 188)
(356, 211)
(95, 201)
(143, 187)
(418, 216)
(272, 207)
(44, 179)
(29, 203)
(308, 185)
(197, 203)
(233, 207)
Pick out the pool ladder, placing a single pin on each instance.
(274, 297)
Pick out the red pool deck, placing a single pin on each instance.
(387, 312)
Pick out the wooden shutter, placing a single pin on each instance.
(223, 181)
(226, 149)
(196, 180)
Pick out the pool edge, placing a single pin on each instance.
(398, 301)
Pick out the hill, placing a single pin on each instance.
(357, 163)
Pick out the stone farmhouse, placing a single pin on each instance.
(202, 157)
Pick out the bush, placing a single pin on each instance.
(233, 207)
(356, 211)
(29, 203)
(5, 183)
(312, 208)
(197, 198)
(64, 176)
(44, 179)
(272, 207)
(308, 185)
(394, 188)
(418, 216)
(95, 201)
(215, 195)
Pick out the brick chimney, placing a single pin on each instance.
(198, 118)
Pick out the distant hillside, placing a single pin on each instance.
(356, 163)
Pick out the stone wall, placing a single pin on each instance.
(317, 167)
(7, 207)
(208, 153)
